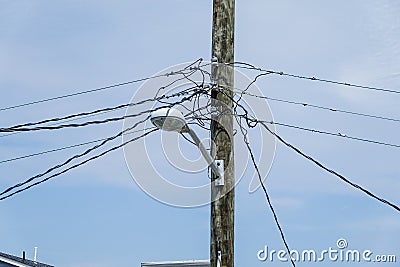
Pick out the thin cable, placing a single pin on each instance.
(245, 140)
(65, 147)
(61, 122)
(331, 133)
(95, 147)
(298, 151)
(319, 107)
(86, 152)
(77, 165)
(90, 91)
(80, 93)
(252, 122)
(251, 83)
(75, 125)
(187, 139)
(312, 78)
(50, 151)
(95, 112)
(173, 82)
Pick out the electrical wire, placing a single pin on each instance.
(318, 106)
(175, 81)
(248, 66)
(275, 216)
(187, 139)
(371, 141)
(318, 131)
(187, 98)
(298, 151)
(64, 148)
(19, 127)
(86, 152)
(252, 122)
(250, 84)
(76, 165)
(247, 143)
(50, 151)
(330, 133)
(91, 90)
(80, 93)
(75, 125)
(61, 122)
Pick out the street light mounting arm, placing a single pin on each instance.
(171, 119)
(210, 161)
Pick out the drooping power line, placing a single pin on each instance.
(271, 207)
(76, 165)
(19, 127)
(69, 160)
(319, 164)
(252, 122)
(86, 152)
(83, 124)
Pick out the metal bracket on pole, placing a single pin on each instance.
(220, 181)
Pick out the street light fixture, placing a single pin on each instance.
(168, 119)
(172, 120)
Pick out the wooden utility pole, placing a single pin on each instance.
(223, 197)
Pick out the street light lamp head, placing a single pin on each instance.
(168, 119)
(172, 120)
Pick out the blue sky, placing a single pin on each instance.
(97, 216)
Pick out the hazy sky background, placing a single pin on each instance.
(97, 216)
